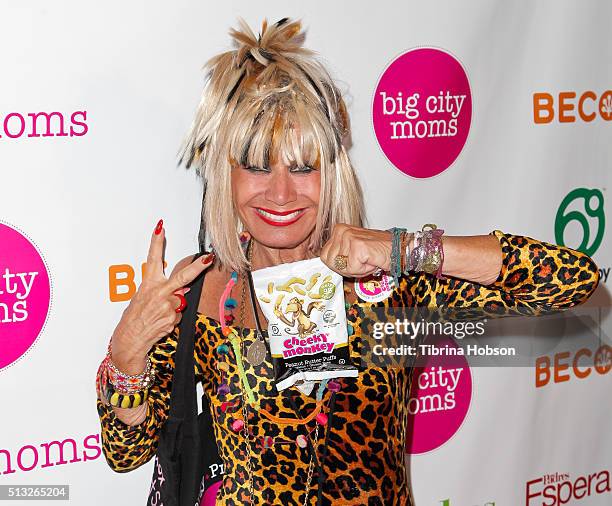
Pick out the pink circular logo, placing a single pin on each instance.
(25, 294)
(439, 398)
(422, 111)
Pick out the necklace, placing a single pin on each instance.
(247, 433)
(256, 353)
(248, 398)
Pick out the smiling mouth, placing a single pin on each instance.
(279, 218)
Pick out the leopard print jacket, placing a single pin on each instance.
(365, 458)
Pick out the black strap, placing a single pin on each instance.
(184, 352)
(183, 400)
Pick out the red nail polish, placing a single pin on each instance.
(159, 226)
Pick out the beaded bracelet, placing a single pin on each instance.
(395, 267)
(405, 252)
(129, 383)
(427, 252)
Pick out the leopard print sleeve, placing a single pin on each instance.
(129, 447)
(536, 278)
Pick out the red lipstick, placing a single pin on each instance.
(269, 218)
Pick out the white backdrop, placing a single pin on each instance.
(90, 201)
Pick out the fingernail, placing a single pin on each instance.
(186, 290)
(159, 226)
(208, 258)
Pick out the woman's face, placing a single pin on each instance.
(277, 204)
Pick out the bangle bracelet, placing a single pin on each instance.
(120, 400)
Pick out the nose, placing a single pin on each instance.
(281, 189)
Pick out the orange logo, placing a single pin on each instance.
(563, 366)
(566, 106)
(122, 281)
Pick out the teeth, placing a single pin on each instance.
(276, 217)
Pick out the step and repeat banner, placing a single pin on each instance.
(474, 115)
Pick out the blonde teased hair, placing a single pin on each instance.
(254, 99)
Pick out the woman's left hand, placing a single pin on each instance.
(366, 249)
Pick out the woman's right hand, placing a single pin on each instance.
(151, 314)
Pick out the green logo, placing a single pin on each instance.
(327, 290)
(593, 203)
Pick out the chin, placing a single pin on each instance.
(281, 237)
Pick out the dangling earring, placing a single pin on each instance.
(244, 236)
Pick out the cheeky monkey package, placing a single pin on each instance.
(308, 331)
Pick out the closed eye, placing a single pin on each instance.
(306, 169)
(254, 168)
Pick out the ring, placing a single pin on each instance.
(183, 303)
(340, 262)
(377, 272)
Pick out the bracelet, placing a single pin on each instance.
(128, 383)
(395, 267)
(121, 400)
(406, 253)
(402, 240)
(418, 252)
(428, 255)
(101, 382)
(433, 261)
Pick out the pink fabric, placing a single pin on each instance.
(209, 497)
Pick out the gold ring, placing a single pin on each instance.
(340, 262)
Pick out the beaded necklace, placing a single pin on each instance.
(226, 306)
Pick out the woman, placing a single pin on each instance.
(269, 140)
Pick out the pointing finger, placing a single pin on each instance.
(190, 272)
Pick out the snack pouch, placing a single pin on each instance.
(304, 304)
